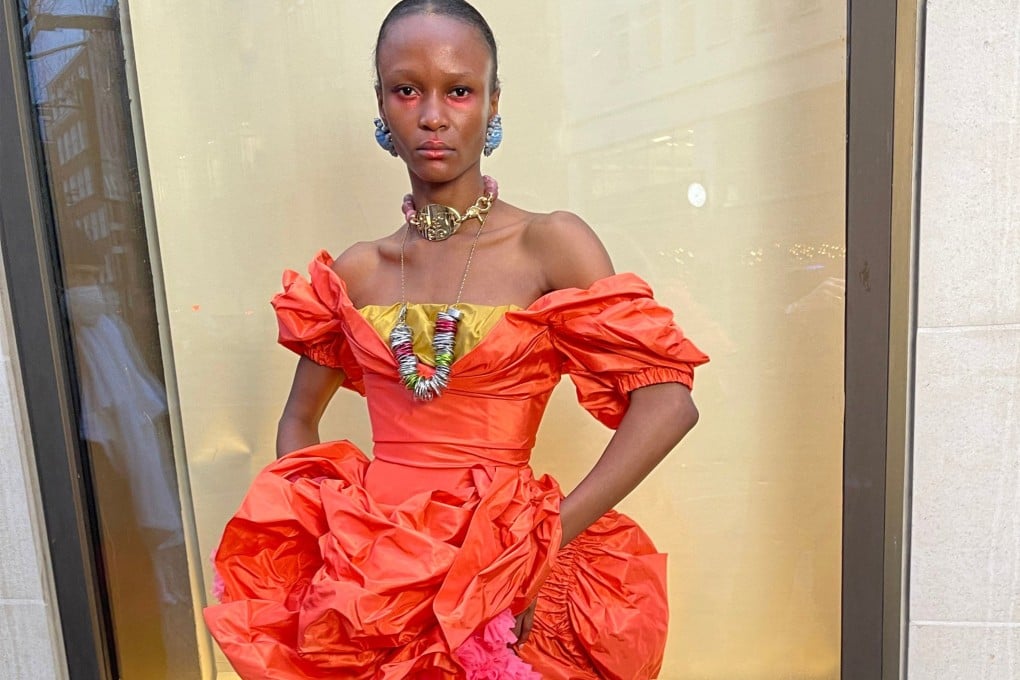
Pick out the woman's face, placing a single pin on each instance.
(434, 94)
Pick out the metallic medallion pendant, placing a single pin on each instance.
(438, 222)
(408, 365)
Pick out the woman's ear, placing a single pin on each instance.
(378, 99)
(494, 103)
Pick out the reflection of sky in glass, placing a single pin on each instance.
(50, 50)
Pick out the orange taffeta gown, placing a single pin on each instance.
(338, 566)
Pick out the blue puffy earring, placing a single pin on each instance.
(493, 135)
(384, 137)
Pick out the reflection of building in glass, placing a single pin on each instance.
(79, 86)
(91, 171)
(736, 98)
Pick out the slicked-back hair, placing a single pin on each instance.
(455, 9)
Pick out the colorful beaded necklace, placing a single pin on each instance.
(445, 333)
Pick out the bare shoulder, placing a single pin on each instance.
(365, 257)
(570, 252)
(361, 265)
(357, 261)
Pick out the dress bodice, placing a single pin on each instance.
(611, 338)
(490, 410)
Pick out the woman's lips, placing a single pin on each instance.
(435, 152)
(435, 145)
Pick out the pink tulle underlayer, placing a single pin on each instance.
(487, 655)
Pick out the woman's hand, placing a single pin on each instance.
(524, 620)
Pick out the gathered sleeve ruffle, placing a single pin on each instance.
(310, 321)
(614, 338)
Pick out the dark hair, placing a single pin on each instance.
(455, 9)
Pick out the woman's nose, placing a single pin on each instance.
(433, 116)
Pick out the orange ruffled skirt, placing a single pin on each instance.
(337, 566)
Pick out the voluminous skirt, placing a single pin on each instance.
(335, 566)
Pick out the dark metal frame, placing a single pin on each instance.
(873, 470)
(882, 112)
(33, 280)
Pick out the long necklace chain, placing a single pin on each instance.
(467, 266)
(445, 333)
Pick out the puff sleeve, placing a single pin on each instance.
(614, 338)
(308, 313)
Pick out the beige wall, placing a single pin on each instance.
(30, 641)
(965, 538)
(258, 130)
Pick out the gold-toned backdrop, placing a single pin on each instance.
(703, 140)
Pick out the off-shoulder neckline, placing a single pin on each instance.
(538, 304)
(440, 305)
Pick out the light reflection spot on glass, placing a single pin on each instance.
(696, 195)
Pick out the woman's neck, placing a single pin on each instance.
(458, 194)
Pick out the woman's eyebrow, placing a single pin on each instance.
(411, 73)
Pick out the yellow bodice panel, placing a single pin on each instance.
(477, 321)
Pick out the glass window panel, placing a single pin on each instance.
(682, 23)
(123, 410)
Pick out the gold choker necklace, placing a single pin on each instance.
(436, 222)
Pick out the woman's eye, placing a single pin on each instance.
(461, 92)
(406, 91)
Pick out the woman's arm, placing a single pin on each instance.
(657, 419)
(313, 387)
(658, 416)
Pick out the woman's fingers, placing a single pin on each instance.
(528, 619)
(524, 621)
